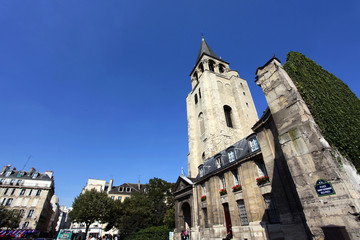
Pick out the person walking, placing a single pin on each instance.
(228, 236)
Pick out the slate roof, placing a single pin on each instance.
(242, 150)
(205, 49)
(15, 174)
(133, 186)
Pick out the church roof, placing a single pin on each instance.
(205, 49)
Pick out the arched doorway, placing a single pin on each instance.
(186, 212)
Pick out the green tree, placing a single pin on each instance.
(9, 218)
(91, 206)
(152, 208)
(162, 200)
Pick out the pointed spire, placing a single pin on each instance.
(205, 49)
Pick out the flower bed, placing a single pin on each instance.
(262, 180)
(236, 188)
(222, 192)
(203, 198)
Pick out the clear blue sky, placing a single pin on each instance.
(96, 89)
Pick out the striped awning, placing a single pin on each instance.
(16, 233)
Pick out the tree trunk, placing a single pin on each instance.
(86, 231)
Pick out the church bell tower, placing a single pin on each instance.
(220, 109)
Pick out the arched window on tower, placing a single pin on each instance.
(201, 67)
(199, 93)
(196, 99)
(221, 68)
(211, 65)
(202, 126)
(227, 111)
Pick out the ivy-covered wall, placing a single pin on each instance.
(335, 108)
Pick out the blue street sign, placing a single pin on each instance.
(324, 188)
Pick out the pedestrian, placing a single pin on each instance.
(228, 236)
(183, 237)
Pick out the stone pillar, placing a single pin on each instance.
(308, 155)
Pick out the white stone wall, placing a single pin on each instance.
(217, 90)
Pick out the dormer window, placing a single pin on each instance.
(201, 170)
(21, 173)
(8, 173)
(128, 189)
(218, 162)
(120, 189)
(254, 145)
(35, 175)
(231, 155)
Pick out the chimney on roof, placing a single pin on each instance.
(139, 186)
(110, 185)
(49, 173)
(5, 169)
(32, 170)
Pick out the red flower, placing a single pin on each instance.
(262, 180)
(236, 188)
(222, 191)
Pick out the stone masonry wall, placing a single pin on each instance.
(308, 155)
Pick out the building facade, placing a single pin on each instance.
(258, 179)
(125, 191)
(64, 219)
(32, 193)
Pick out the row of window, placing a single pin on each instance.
(271, 211)
(123, 189)
(118, 198)
(253, 143)
(10, 182)
(260, 169)
(211, 65)
(11, 191)
(228, 119)
(8, 202)
(21, 173)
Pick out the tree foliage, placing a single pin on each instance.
(91, 206)
(335, 108)
(152, 208)
(9, 218)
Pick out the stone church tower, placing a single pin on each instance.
(220, 109)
